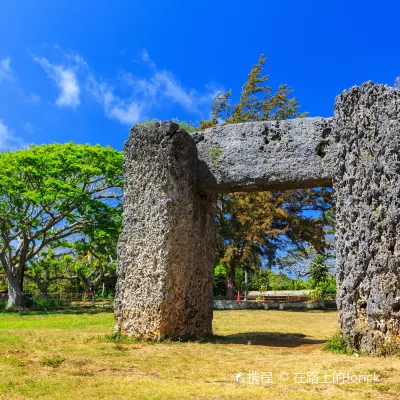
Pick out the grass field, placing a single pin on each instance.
(73, 356)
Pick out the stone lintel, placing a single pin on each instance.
(268, 155)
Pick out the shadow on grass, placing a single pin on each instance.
(270, 339)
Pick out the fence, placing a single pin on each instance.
(53, 301)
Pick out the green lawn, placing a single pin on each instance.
(70, 356)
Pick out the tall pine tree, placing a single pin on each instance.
(254, 227)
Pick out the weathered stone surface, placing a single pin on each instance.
(166, 252)
(266, 155)
(366, 128)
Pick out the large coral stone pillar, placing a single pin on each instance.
(366, 179)
(166, 253)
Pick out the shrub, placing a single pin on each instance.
(336, 344)
(117, 337)
(54, 362)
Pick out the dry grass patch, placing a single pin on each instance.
(94, 366)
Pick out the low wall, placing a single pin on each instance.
(237, 305)
(256, 305)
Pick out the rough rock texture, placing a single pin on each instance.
(166, 253)
(366, 129)
(270, 155)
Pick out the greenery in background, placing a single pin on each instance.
(187, 126)
(254, 227)
(51, 194)
(62, 215)
(262, 280)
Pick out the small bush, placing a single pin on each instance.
(117, 337)
(337, 344)
(187, 126)
(54, 362)
(215, 154)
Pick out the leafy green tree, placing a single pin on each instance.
(319, 271)
(326, 289)
(94, 259)
(89, 261)
(46, 270)
(252, 227)
(51, 193)
(219, 280)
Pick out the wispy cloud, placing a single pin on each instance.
(66, 80)
(8, 141)
(164, 85)
(128, 98)
(126, 111)
(7, 73)
(146, 59)
(5, 69)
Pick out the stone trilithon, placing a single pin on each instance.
(166, 252)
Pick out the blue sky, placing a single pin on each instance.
(86, 70)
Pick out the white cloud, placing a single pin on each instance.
(163, 88)
(145, 56)
(127, 99)
(125, 111)
(65, 79)
(173, 90)
(163, 85)
(7, 140)
(5, 69)
(146, 59)
(77, 59)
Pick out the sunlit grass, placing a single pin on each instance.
(74, 356)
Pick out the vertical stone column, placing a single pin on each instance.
(366, 180)
(166, 253)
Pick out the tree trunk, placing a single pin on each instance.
(44, 290)
(44, 285)
(15, 285)
(246, 284)
(230, 283)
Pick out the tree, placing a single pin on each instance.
(49, 193)
(319, 271)
(253, 227)
(94, 259)
(46, 269)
